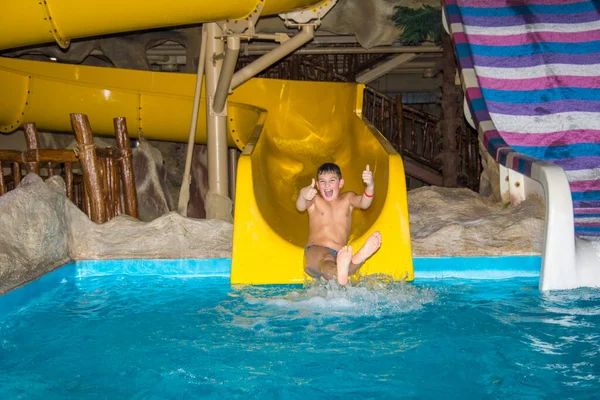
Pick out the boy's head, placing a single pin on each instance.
(329, 181)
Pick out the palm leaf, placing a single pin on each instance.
(419, 24)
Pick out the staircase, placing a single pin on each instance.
(415, 135)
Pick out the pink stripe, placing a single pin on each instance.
(582, 186)
(535, 37)
(505, 3)
(544, 82)
(586, 210)
(460, 37)
(474, 93)
(553, 139)
(491, 134)
(592, 224)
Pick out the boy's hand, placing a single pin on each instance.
(309, 192)
(367, 177)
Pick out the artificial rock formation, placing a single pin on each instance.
(150, 173)
(33, 230)
(40, 229)
(459, 222)
(169, 236)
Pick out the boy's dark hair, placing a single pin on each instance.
(329, 168)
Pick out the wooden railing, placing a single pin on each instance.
(415, 135)
(105, 188)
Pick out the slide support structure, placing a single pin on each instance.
(216, 138)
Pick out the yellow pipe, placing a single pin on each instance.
(159, 105)
(31, 22)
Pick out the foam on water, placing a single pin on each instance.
(369, 297)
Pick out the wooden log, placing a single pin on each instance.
(2, 180)
(115, 186)
(11, 155)
(50, 155)
(89, 164)
(32, 140)
(107, 152)
(400, 124)
(69, 179)
(87, 202)
(126, 166)
(16, 172)
(104, 186)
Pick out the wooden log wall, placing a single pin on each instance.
(107, 186)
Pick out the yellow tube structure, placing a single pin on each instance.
(286, 129)
(156, 104)
(31, 22)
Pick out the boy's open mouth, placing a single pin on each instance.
(328, 192)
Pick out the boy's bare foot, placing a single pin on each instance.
(369, 248)
(343, 259)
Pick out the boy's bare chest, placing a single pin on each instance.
(333, 210)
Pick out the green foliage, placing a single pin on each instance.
(419, 24)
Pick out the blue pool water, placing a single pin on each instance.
(157, 337)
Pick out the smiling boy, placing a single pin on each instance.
(327, 254)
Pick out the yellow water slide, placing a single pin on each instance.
(286, 129)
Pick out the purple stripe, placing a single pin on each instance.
(579, 205)
(549, 107)
(553, 139)
(574, 164)
(535, 59)
(466, 62)
(534, 37)
(482, 115)
(514, 20)
(543, 82)
(591, 235)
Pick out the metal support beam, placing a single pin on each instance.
(273, 56)
(385, 67)
(227, 70)
(216, 138)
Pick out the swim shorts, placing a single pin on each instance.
(332, 251)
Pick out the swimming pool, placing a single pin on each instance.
(175, 332)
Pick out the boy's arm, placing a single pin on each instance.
(306, 197)
(364, 200)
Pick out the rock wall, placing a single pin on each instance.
(453, 222)
(33, 230)
(170, 236)
(40, 229)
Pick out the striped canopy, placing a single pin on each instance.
(536, 67)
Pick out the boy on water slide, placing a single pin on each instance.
(327, 254)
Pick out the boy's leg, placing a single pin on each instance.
(319, 262)
(369, 248)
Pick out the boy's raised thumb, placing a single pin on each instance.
(313, 183)
(368, 167)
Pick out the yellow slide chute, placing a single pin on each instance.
(285, 128)
(307, 124)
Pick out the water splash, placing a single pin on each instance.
(373, 296)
